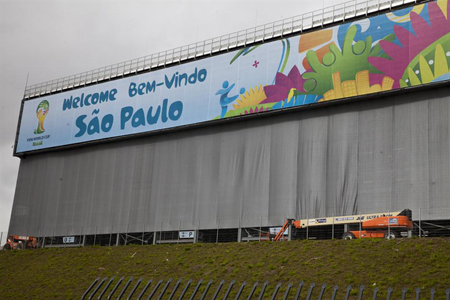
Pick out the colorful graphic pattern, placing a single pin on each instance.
(400, 49)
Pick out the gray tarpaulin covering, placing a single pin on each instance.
(369, 156)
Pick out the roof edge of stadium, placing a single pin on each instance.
(306, 22)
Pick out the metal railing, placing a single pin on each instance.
(108, 289)
(298, 24)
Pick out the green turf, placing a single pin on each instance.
(65, 273)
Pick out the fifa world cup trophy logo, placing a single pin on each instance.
(41, 113)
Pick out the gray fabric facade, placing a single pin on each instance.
(368, 156)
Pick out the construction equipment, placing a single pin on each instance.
(19, 242)
(379, 225)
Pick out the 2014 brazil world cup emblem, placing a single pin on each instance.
(41, 112)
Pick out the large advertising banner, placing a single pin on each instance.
(405, 48)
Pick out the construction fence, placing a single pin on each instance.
(313, 229)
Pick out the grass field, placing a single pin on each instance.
(64, 273)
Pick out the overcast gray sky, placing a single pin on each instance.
(56, 38)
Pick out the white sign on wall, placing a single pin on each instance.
(68, 240)
(187, 234)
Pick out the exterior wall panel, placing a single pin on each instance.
(361, 157)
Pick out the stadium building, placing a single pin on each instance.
(332, 113)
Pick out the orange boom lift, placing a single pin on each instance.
(378, 225)
(19, 242)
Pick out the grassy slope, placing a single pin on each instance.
(66, 273)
